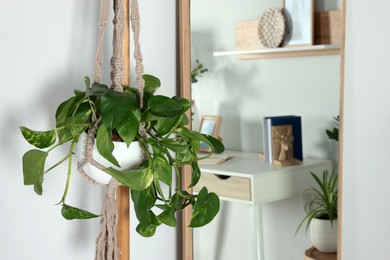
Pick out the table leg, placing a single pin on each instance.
(258, 232)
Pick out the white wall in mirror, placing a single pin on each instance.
(243, 92)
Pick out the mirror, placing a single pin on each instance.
(242, 92)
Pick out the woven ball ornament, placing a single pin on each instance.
(271, 28)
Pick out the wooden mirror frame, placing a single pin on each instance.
(184, 79)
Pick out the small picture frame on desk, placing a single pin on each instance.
(299, 15)
(210, 125)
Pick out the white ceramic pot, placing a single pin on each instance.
(126, 157)
(323, 235)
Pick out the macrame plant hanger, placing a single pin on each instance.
(107, 241)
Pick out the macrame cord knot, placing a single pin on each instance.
(106, 243)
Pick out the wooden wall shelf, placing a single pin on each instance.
(283, 52)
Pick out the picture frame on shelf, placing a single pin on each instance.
(299, 15)
(210, 125)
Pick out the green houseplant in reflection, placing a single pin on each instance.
(197, 71)
(321, 209)
(168, 147)
(323, 205)
(334, 133)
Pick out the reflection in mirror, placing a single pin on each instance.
(242, 92)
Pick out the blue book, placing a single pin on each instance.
(295, 122)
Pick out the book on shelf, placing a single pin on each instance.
(282, 138)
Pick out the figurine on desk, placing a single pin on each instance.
(282, 143)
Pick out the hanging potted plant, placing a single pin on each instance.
(321, 217)
(120, 117)
(154, 125)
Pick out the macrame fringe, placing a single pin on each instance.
(106, 243)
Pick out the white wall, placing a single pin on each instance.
(243, 92)
(46, 49)
(366, 210)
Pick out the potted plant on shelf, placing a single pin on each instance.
(117, 116)
(321, 217)
(197, 71)
(334, 133)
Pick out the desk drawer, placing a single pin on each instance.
(226, 186)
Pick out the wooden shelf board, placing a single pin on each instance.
(284, 52)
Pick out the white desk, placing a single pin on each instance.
(245, 178)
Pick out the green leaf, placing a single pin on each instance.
(87, 82)
(83, 111)
(155, 145)
(185, 103)
(333, 135)
(189, 134)
(184, 120)
(71, 127)
(188, 156)
(128, 127)
(115, 106)
(37, 138)
(152, 83)
(105, 145)
(137, 179)
(174, 145)
(162, 106)
(143, 201)
(97, 90)
(165, 125)
(168, 217)
(324, 203)
(33, 169)
(76, 125)
(67, 108)
(205, 209)
(69, 213)
(63, 110)
(195, 174)
(146, 231)
(162, 170)
(120, 111)
(179, 202)
(38, 189)
(215, 145)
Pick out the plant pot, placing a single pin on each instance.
(126, 157)
(323, 235)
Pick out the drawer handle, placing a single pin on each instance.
(222, 177)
